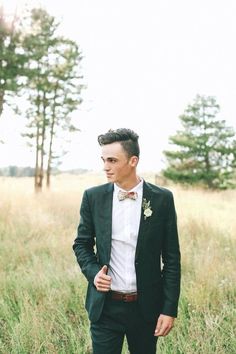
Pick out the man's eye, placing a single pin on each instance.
(112, 160)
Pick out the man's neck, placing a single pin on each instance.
(129, 184)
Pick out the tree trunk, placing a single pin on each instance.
(50, 151)
(36, 174)
(1, 101)
(209, 182)
(51, 139)
(37, 148)
(41, 169)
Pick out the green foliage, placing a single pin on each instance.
(12, 59)
(204, 148)
(53, 72)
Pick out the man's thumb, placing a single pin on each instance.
(104, 269)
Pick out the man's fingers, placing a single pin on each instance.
(103, 281)
(103, 285)
(104, 269)
(164, 330)
(158, 327)
(103, 288)
(105, 277)
(164, 325)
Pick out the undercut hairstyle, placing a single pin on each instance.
(126, 137)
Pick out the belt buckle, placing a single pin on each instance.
(125, 297)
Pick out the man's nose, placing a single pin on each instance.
(106, 166)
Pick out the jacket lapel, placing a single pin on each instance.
(144, 223)
(106, 208)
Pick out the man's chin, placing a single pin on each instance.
(110, 178)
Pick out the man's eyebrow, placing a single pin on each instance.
(109, 158)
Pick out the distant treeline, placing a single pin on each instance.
(16, 171)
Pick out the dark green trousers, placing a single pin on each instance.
(121, 319)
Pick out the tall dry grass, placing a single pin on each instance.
(42, 290)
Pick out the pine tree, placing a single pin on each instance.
(204, 148)
(12, 60)
(52, 90)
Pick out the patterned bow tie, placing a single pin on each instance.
(131, 195)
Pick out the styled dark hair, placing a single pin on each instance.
(126, 137)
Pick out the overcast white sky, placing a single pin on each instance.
(144, 61)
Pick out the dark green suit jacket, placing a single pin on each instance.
(157, 258)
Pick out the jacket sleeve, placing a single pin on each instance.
(85, 242)
(171, 263)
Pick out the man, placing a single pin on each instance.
(127, 247)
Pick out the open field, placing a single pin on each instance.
(42, 290)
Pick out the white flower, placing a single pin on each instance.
(147, 211)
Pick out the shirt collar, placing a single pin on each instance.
(137, 188)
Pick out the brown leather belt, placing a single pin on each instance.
(125, 297)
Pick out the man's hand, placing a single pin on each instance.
(164, 325)
(102, 281)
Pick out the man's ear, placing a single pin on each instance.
(133, 161)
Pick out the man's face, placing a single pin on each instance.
(117, 165)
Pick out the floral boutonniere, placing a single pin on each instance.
(147, 211)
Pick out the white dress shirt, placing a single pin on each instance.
(125, 226)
